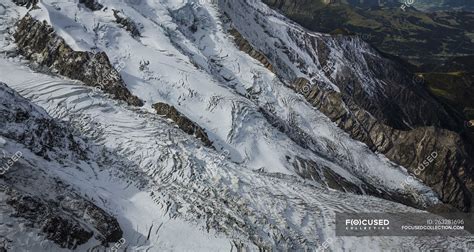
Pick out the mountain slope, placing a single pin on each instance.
(368, 102)
(424, 5)
(444, 5)
(59, 214)
(417, 37)
(203, 94)
(61, 183)
(278, 169)
(178, 180)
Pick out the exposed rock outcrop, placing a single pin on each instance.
(379, 85)
(107, 226)
(182, 121)
(451, 172)
(66, 232)
(127, 23)
(93, 5)
(38, 42)
(38, 132)
(311, 170)
(26, 3)
(54, 219)
(34, 197)
(373, 98)
(246, 47)
(319, 172)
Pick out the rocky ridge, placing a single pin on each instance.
(58, 213)
(250, 204)
(391, 114)
(182, 121)
(450, 174)
(38, 42)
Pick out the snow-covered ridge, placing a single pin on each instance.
(100, 176)
(167, 190)
(213, 83)
(392, 120)
(169, 177)
(344, 64)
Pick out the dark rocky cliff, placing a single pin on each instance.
(182, 121)
(35, 198)
(38, 42)
(379, 102)
(451, 172)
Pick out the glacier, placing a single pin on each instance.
(166, 189)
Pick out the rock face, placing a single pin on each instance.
(245, 46)
(127, 23)
(37, 42)
(377, 21)
(56, 223)
(319, 172)
(26, 3)
(379, 85)
(107, 226)
(92, 4)
(451, 172)
(65, 232)
(374, 99)
(309, 169)
(37, 131)
(182, 121)
(392, 94)
(34, 197)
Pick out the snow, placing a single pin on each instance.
(195, 198)
(142, 139)
(2, 142)
(102, 182)
(266, 28)
(198, 90)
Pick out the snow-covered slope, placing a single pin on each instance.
(217, 86)
(59, 168)
(174, 190)
(258, 187)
